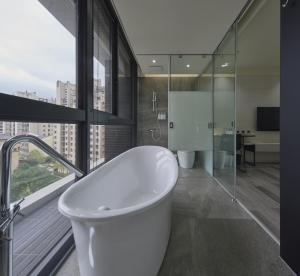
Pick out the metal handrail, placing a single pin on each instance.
(7, 214)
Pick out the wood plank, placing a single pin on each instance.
(35, 235)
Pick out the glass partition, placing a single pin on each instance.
(224, 112)
(257, 112)
(190, 110)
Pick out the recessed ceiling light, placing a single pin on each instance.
(225, 64)
(188, 66)
(153, 60)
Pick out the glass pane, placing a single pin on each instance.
(102, 59)
(32, 168)
(224, 112)
(97, 143)
(258, 105)
(190, 110)
(38, 50)
(65, 140)
(108, 142)
(125, 82)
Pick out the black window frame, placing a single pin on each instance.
(14, 108)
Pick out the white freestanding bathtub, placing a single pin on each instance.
(130, 238)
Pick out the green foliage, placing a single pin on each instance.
(48, 159)
(29, 177)
(23, 165)
(35, 157)
(33, 174)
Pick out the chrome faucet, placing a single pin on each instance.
(8, 212)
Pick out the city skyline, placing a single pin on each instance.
(62, 137)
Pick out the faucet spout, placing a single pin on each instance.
(7, 213)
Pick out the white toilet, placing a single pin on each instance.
(219, 159)
(186, 158)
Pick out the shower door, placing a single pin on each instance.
(190, 107)
(224, 112)
(189, 117)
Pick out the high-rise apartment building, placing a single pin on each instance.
(18, 128)
(43, 130)
(65, 134)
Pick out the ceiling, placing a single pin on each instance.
(176, 26)
(178, 64)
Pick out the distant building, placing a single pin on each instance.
(18, 128)
(42, 130)
(65, 134)
(61, 136)
(15, 153)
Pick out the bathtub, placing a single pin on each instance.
(121, 213)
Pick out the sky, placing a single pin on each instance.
(35, 49)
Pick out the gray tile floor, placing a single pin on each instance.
(211, 235)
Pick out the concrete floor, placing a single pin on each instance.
(211, 235)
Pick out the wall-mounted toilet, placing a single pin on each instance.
(186, 158)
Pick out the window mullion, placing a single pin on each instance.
(85, 79)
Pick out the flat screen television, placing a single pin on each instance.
(268, 119)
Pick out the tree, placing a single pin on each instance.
(35, 157)
(28, 178)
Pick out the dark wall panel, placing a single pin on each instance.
(117, 140)
(290, 134)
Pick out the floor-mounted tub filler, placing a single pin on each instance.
(121, 213)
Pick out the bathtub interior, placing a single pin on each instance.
(140, 175)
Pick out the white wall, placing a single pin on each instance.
(254, 91)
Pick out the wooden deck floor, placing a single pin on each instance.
(35, 235)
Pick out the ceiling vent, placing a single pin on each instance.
(155, 69)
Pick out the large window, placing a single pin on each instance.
(38, 50)
(70, 82)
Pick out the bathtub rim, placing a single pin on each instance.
(116, 213)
